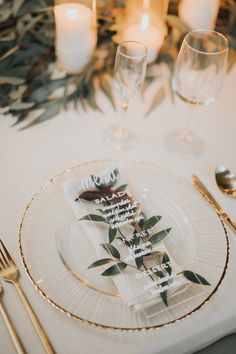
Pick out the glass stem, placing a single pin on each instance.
(186, 133)
(121, 132)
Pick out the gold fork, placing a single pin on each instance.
(11, 328)
(10, 273)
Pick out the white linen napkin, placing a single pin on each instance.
(136, 289)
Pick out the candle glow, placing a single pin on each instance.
(145, 33)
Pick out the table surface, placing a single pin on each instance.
(29, 158)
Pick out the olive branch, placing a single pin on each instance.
(143, 238)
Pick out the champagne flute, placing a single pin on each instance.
(197, 79)
(129, 74)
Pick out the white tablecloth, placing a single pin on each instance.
(30, 157)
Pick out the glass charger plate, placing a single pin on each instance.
(56, 254)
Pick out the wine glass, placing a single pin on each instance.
(129, 74)
(197, 79)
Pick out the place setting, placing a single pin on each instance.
(108, 249)
(117, 245)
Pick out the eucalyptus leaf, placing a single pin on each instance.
(98, 182)
(49, 113)
(16, 6)
(142, 220)
(135, 239)
(139, 262)
(27, 53)
(159, 236)
(163, 295)
(114, 175)
(101, 262)
(115, 269)
(195, 277)
(11, 80)
(122, 187)
(32, 22)
(42, 93)
(166, 260)
(148, 224)
(92, 97)
(93, 217)
(5, 11)
(112, 234)
(111, 250)
(7, 35)
(89, 196)
(21, 105)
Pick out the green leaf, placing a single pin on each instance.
(112, 234)
(115, 269)
(111, 250)
(93, 217)
(151, 222)
(100, 262)
(114, 175)
(8, 35)
(32, 21)
(159, 236)
(142, 221)
(92, 97)
(165, 260)
(164, 297)
(135, 239)
(15, 106)
(89, 195)
(11, 80)
(195, 278)
(112, 180)
(121, 188)
(16, 6)
(139, 262)
(159, 96)
(97, 181)
(5, 10)
(51, 112)
(42, 93)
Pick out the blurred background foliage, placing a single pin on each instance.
(28, 83)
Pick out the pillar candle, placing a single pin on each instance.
(199, 14)
(75, 35)
(147, 34)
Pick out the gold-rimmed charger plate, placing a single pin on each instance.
(40, 251)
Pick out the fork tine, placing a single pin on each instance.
(1, 265)
(9, 259)
(3, 259)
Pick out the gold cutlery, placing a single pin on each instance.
(225, 180)
(205, 192)
(10, 273)
(11, 328)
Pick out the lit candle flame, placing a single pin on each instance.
(146, 5)
(144, 22)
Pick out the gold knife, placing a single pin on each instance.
(205, 192)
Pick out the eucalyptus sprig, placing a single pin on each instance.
(144, 238)
(27, 59)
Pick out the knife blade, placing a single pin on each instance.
(205, 192)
